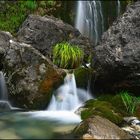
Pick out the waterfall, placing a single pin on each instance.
(118, 7)
(3, 88)
(4, 103)
(89, 19)
(68, 96)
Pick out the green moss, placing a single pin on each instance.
(101, 108)
(82, 76)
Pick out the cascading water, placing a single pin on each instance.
(68, 96)
(89, 19)
(3, 88)
(64, 102)
(118, 7)
(4, 103)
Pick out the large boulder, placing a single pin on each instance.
(44, 32)
(117, 57)
(99, 128)
(30, 76)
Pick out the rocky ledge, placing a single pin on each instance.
(117, 57)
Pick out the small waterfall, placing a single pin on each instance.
(68, 96)
(118, 7)
(3, 88)
(4, 103)
(89, 19)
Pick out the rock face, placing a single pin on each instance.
(117, 57)
(44, 32)
(30, 76)
(99, 128)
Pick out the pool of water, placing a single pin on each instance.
(38, 125)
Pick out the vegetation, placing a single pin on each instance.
(13, 13)
(113, 107)
(130, 102)
(101, 108)
(67, 56)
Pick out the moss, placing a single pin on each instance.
(80, 130)
(101, 108)
(116, 101)
(82, 76)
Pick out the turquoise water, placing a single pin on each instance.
(35, 125)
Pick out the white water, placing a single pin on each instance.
(89, 19)
(4, 103)
(64, 102)
(118, 7)
(3, 88)
(68, 97)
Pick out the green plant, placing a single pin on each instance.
(130, 102)
(67, 56)
(31, 4)
(50, 2)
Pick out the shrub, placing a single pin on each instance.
(67, 56)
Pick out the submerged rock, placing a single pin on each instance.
(99, 128)
(117, 57)
(30, 76)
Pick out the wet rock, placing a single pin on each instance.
(83, 77)
(30, 76)
(44, 32)
(132, 126)
(99, 128)
(117, 57)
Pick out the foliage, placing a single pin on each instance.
(50, 2)
(130, 102)
(31, 4)
(67, 56)
(13, 13)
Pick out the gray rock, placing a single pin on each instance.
(99, 128)
(117, 57)
(45, 32)
(30, 76)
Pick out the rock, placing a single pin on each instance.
(83, 76)
(117, 57)
(100, 128)
(132, 126)
(30, 76)
(45, 32)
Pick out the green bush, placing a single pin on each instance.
(67, 56)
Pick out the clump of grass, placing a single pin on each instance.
(31, 4)
(67, 56)
(130, 102)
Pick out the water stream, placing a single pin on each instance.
(58, 120)
(118, 7)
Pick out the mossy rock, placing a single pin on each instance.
(116, 101)
(82, 76)
(101, 108)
